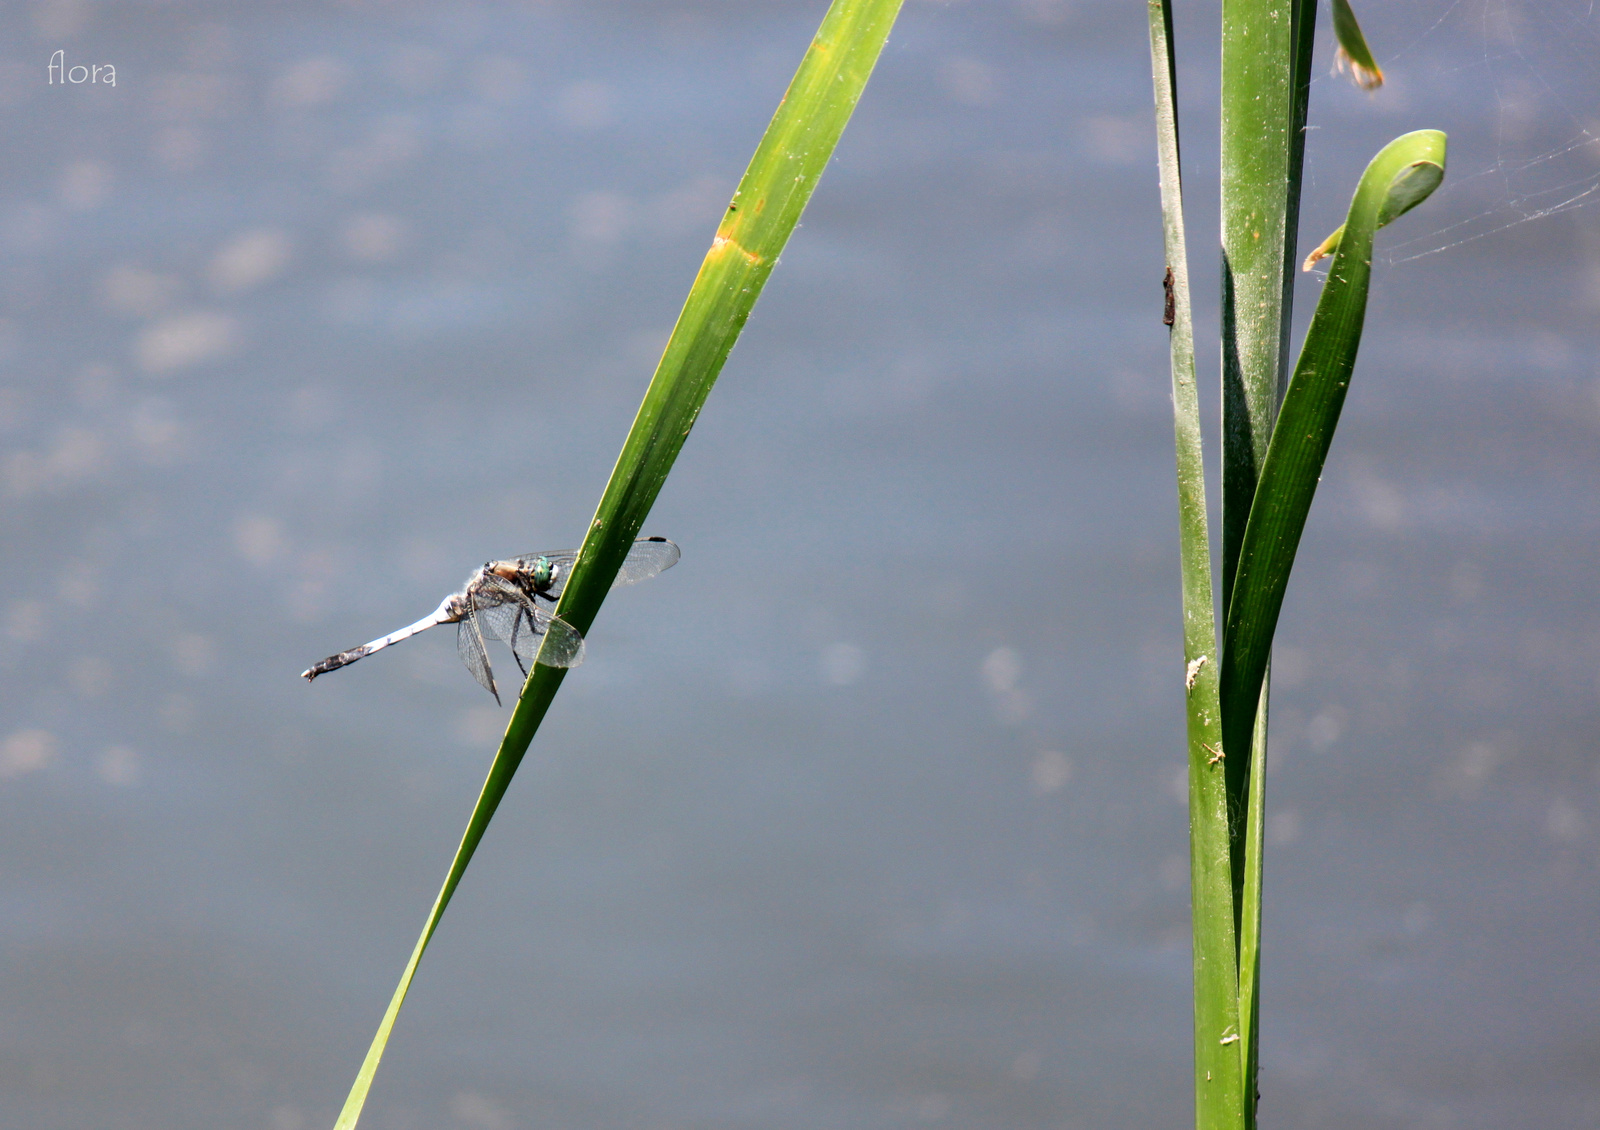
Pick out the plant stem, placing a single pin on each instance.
(1217, 1074)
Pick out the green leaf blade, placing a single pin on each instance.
(1266, 88)
(789, 161)
(1266, 48)
(1305, 428)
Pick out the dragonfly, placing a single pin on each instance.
(514, 601)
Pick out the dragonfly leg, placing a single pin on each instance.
(516, 632)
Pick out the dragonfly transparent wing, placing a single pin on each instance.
(506, 613)
(537, 636)
(645, 559)
(508, 622)
(563, 644)
(469, 645)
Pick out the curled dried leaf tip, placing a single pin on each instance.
(1323, 250)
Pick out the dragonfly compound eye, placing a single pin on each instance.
(543, 572)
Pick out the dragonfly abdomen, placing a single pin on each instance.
(334, 662)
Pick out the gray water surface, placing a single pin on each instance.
(868, 814)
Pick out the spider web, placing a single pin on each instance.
(1516, 84)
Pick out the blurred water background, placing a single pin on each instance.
(868, 814)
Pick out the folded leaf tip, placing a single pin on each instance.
(1410, 185)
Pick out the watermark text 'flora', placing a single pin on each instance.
(58, 71)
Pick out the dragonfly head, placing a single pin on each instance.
(543, 573)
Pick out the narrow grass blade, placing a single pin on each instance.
(779, 181)
(1266, 59)
(1399, 178)
(1249, 896)
(1217, 1077)
(1302, 37)
(1353, 55)
(1258, 143)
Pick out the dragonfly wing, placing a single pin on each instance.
(469, 645)
(562, 646)
(537, 636)
(499, 621)
(646, 558)
(506, 613)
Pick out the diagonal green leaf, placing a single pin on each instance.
(773, 192)
(1218, 1081)
(1354, 55)
(1398, 179)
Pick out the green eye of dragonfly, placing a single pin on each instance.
(542, 572)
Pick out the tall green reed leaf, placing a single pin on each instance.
(1244, 712)
(779, 181)
(1218, 1077)
(1266, 82)
(1259, 140)
(1399, 178)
